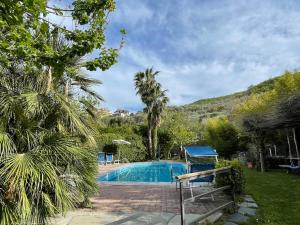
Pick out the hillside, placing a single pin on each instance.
(223, 105)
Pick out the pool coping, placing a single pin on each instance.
(136, 183)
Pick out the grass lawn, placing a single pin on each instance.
(277, 195)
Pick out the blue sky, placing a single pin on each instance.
(203, 48)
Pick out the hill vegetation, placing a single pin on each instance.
(223, 105)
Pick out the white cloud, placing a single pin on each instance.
(202, 48)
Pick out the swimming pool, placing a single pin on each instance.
(145, 172)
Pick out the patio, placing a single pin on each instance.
(150, 198)
(140, 204)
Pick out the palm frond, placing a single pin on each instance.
(92, 93)
(71, 119)
(7, 146)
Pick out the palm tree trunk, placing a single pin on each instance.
(154, 141)
(67, 88)
(149, 134)
(49, 82)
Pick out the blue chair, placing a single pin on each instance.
(102, 158)
(109, 158)
(198, 167)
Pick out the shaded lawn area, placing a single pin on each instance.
(277, 195)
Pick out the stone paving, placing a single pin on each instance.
(137, 218)
(246, 209)
(139, 204)
(150, 198)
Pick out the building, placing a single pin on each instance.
(121, 113)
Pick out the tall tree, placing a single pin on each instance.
(222, 135)
(26, 25)
(155, 100)
(160, 103)
(47, 161)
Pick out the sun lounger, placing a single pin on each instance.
(291, 168)
(203, 181)
(102, 158)
(197, 167)
(109, 158)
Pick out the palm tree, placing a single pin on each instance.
(159, 105)
(48, 164)
(155, 100)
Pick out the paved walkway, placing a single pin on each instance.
(137, 204)
(137, 218)
(246, 209)
(150, 198)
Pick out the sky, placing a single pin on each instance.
(202, 48)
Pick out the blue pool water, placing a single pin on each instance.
(146, 172)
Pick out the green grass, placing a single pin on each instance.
(277, 195)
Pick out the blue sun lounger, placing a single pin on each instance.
(109, 158)
(291, 168)
(198, 167)
(203, 181)
(102, 158)
(193, 156)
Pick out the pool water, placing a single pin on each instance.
(146, 172)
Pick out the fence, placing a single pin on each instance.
(191, 176)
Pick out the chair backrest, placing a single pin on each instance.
(197, 167)
(101, 157)
(109, 157)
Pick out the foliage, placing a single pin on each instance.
(47, 150)
(273, 109)
(48, 160)
(264, 86)
(286, 85)
(176, 130)
(223, 105)
(25, 27)
(183, 131)
(165, 143)
(235, 178)
(155, 100)
(134, 152)
(221, 134)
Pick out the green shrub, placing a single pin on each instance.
(134, 152)
(221, 134)
(235, 178)
(166, 142)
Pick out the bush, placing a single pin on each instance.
(134, 152)
(166, 142)
(235, 178)
(222, 135)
